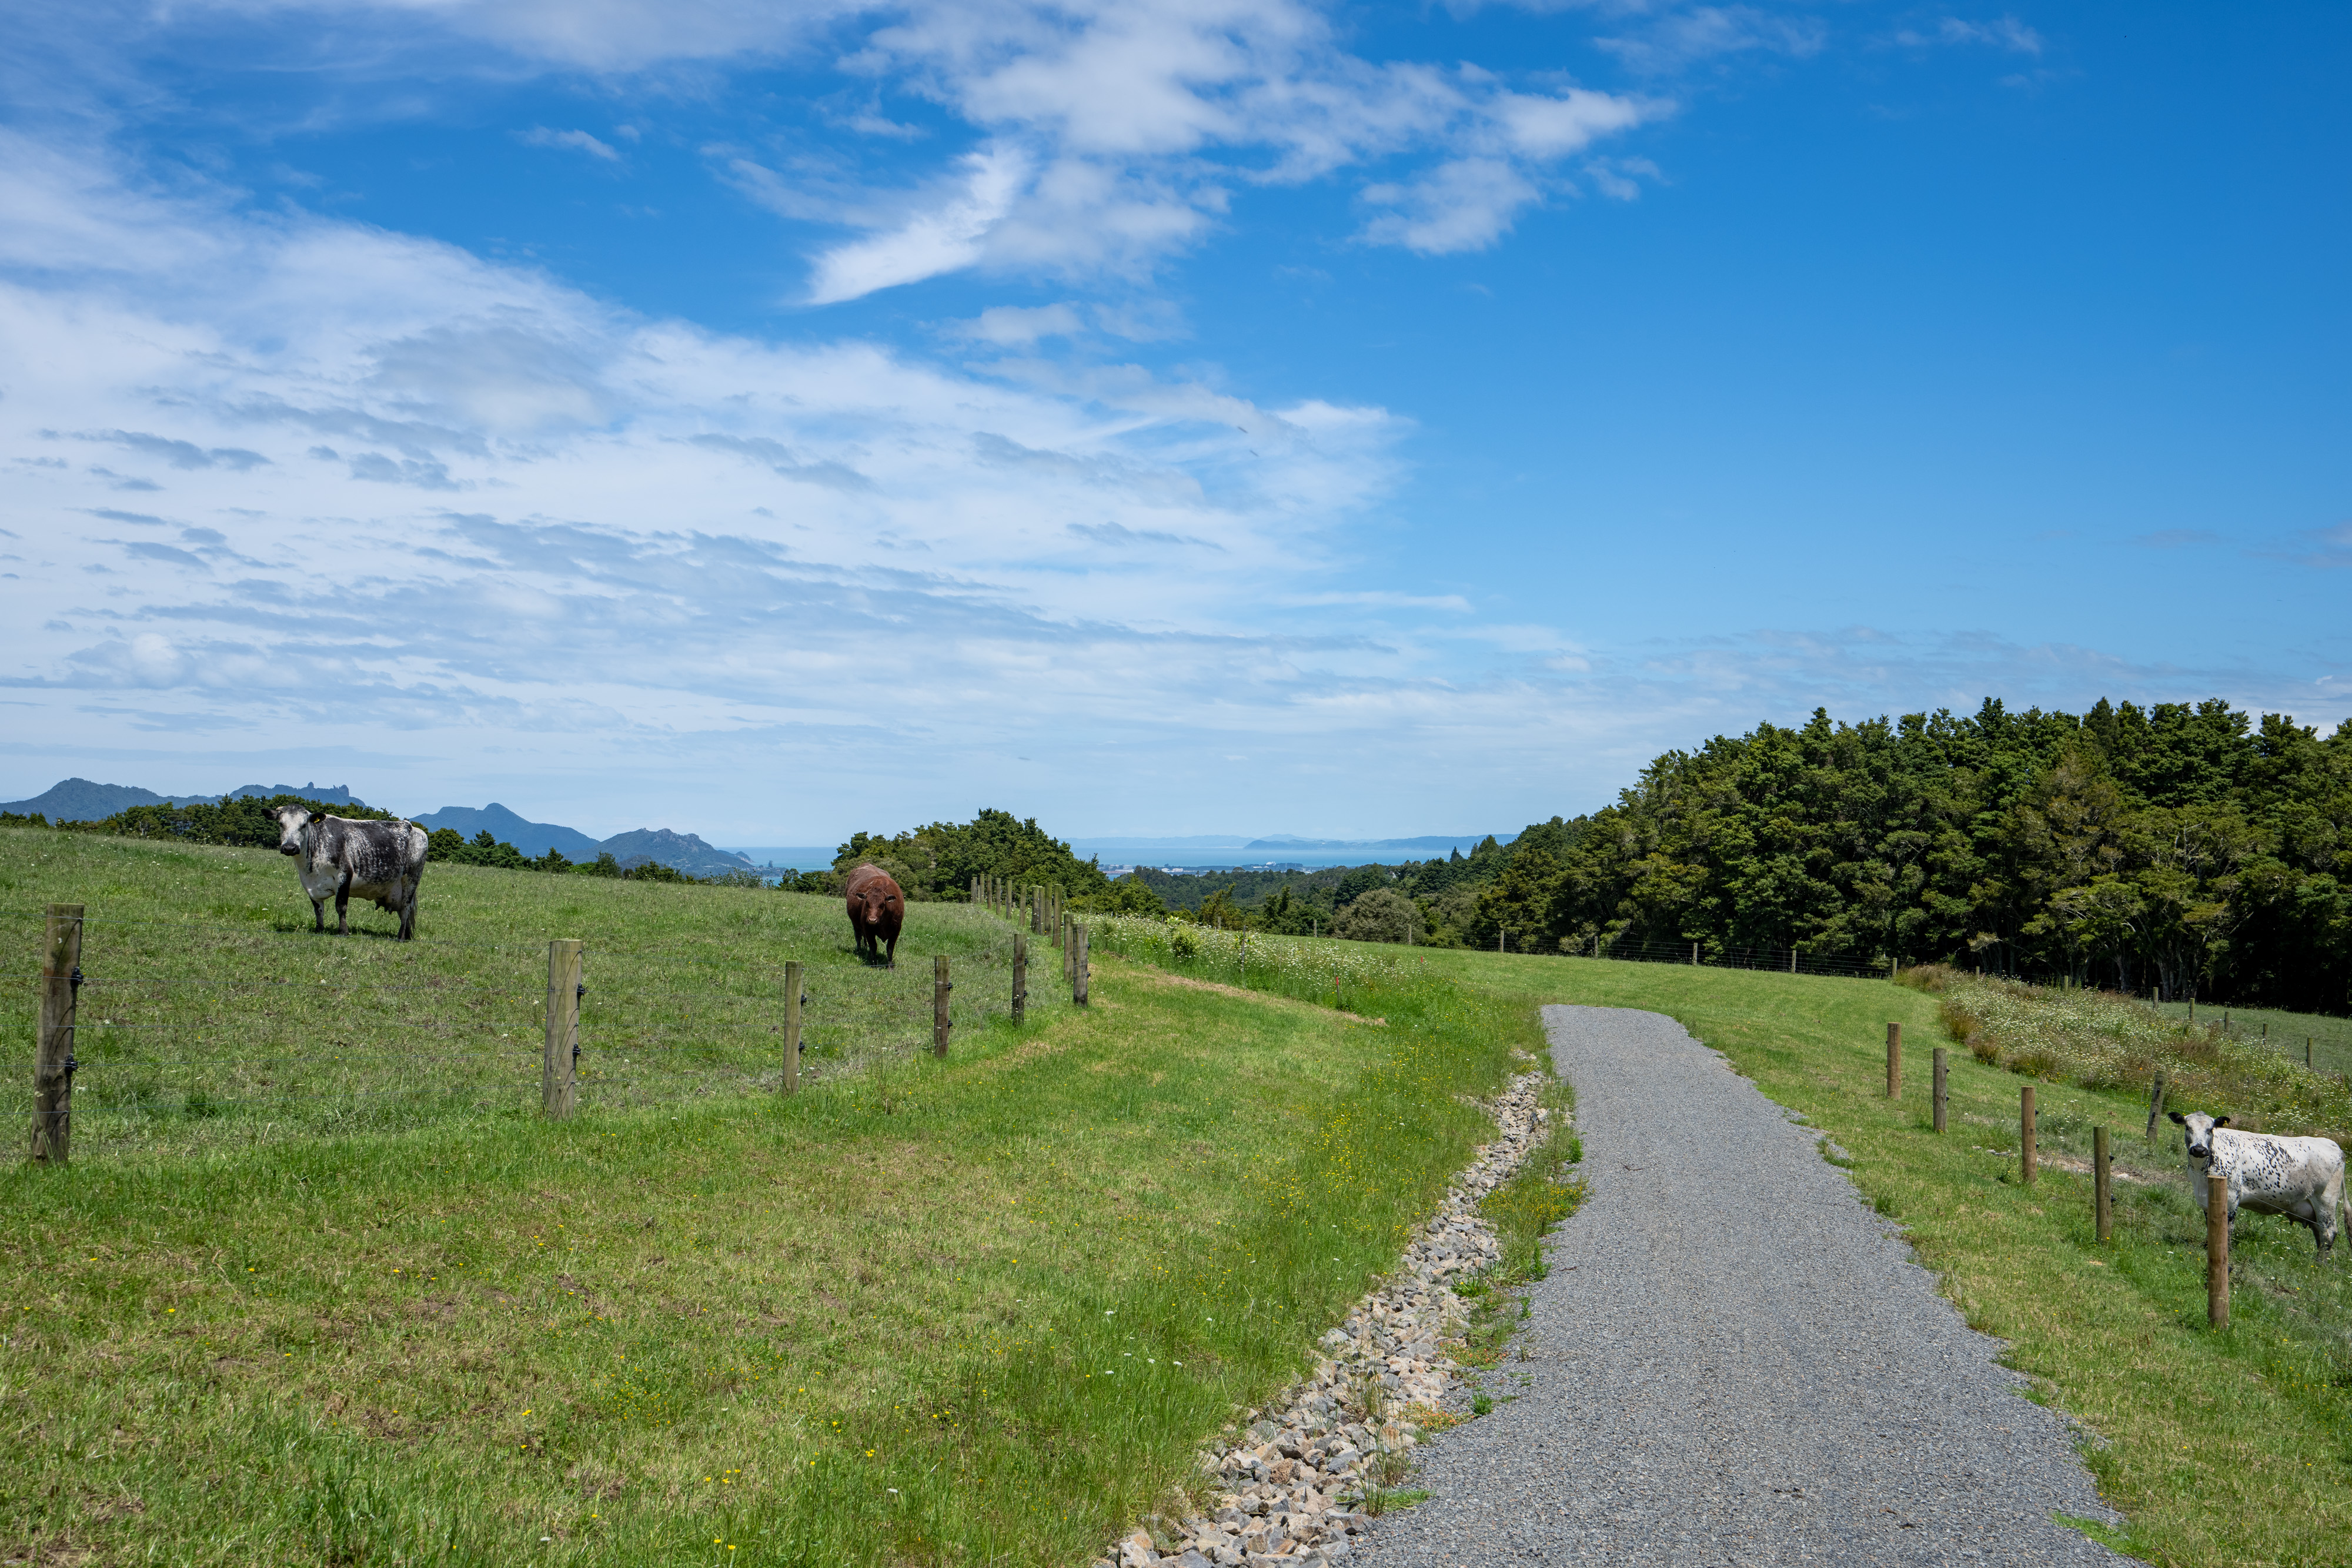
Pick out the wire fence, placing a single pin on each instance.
(1719, 955)
(191, 1036)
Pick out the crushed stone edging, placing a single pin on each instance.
(1286, 1475)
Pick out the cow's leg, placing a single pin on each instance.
(891, 962)
(318, 914)
(343, 907)
(408, 916)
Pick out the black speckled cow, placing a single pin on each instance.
(340, 856)
(2302, 1179)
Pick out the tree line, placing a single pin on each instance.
(2177, 851)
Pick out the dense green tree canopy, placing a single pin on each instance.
(938, 861)
(2173, 850)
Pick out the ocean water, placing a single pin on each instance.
(1171, 855)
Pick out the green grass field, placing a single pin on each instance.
(973, 1311)
(2230, 1448)
(700, 1324)
(2330, 1039)
(213, 1016)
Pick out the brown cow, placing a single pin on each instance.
(877, 909)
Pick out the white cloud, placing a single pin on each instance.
(943, 237)
(574, 141)
(1465, 204)
(1104, 135)
(419, 505)
(1012, 325)
(1667, 41)
(2004, 32)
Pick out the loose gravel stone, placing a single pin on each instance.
(1734, 1361)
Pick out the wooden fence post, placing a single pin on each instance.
(792, 1000)
(2102, 1200)
(1694, 954)
(1940, 1092)
(1895, 1061)
(940, 986)
(2026, 1161)
(1078, 966)
(2155, 1106)
(2217, 1250)
(1020, 976)
(1068, 943)
(559, 1066)
(53, 1061)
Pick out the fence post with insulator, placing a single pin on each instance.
(792, 1000)
(940, 986)
(53, 1061)
(559, 1067)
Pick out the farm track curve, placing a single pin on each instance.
(1734, 1361)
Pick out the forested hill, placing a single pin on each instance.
(2172, 849)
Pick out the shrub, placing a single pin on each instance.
(1383, 914)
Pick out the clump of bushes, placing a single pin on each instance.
(2101, 1040)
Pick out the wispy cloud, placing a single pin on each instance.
(570, 140)
(1669, 41)
(2004, 32)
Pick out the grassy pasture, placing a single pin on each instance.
(972, 1311)
(2330, 1037)
(214, 1017)
(2230, 1448)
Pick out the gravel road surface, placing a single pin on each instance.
(1734, 1362)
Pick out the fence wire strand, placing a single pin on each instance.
(173, 1056)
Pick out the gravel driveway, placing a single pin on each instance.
(1733, 1361)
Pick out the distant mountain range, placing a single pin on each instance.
(81, 800)
(533, 839)
(78, 799)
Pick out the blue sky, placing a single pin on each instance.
(1159, 417)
